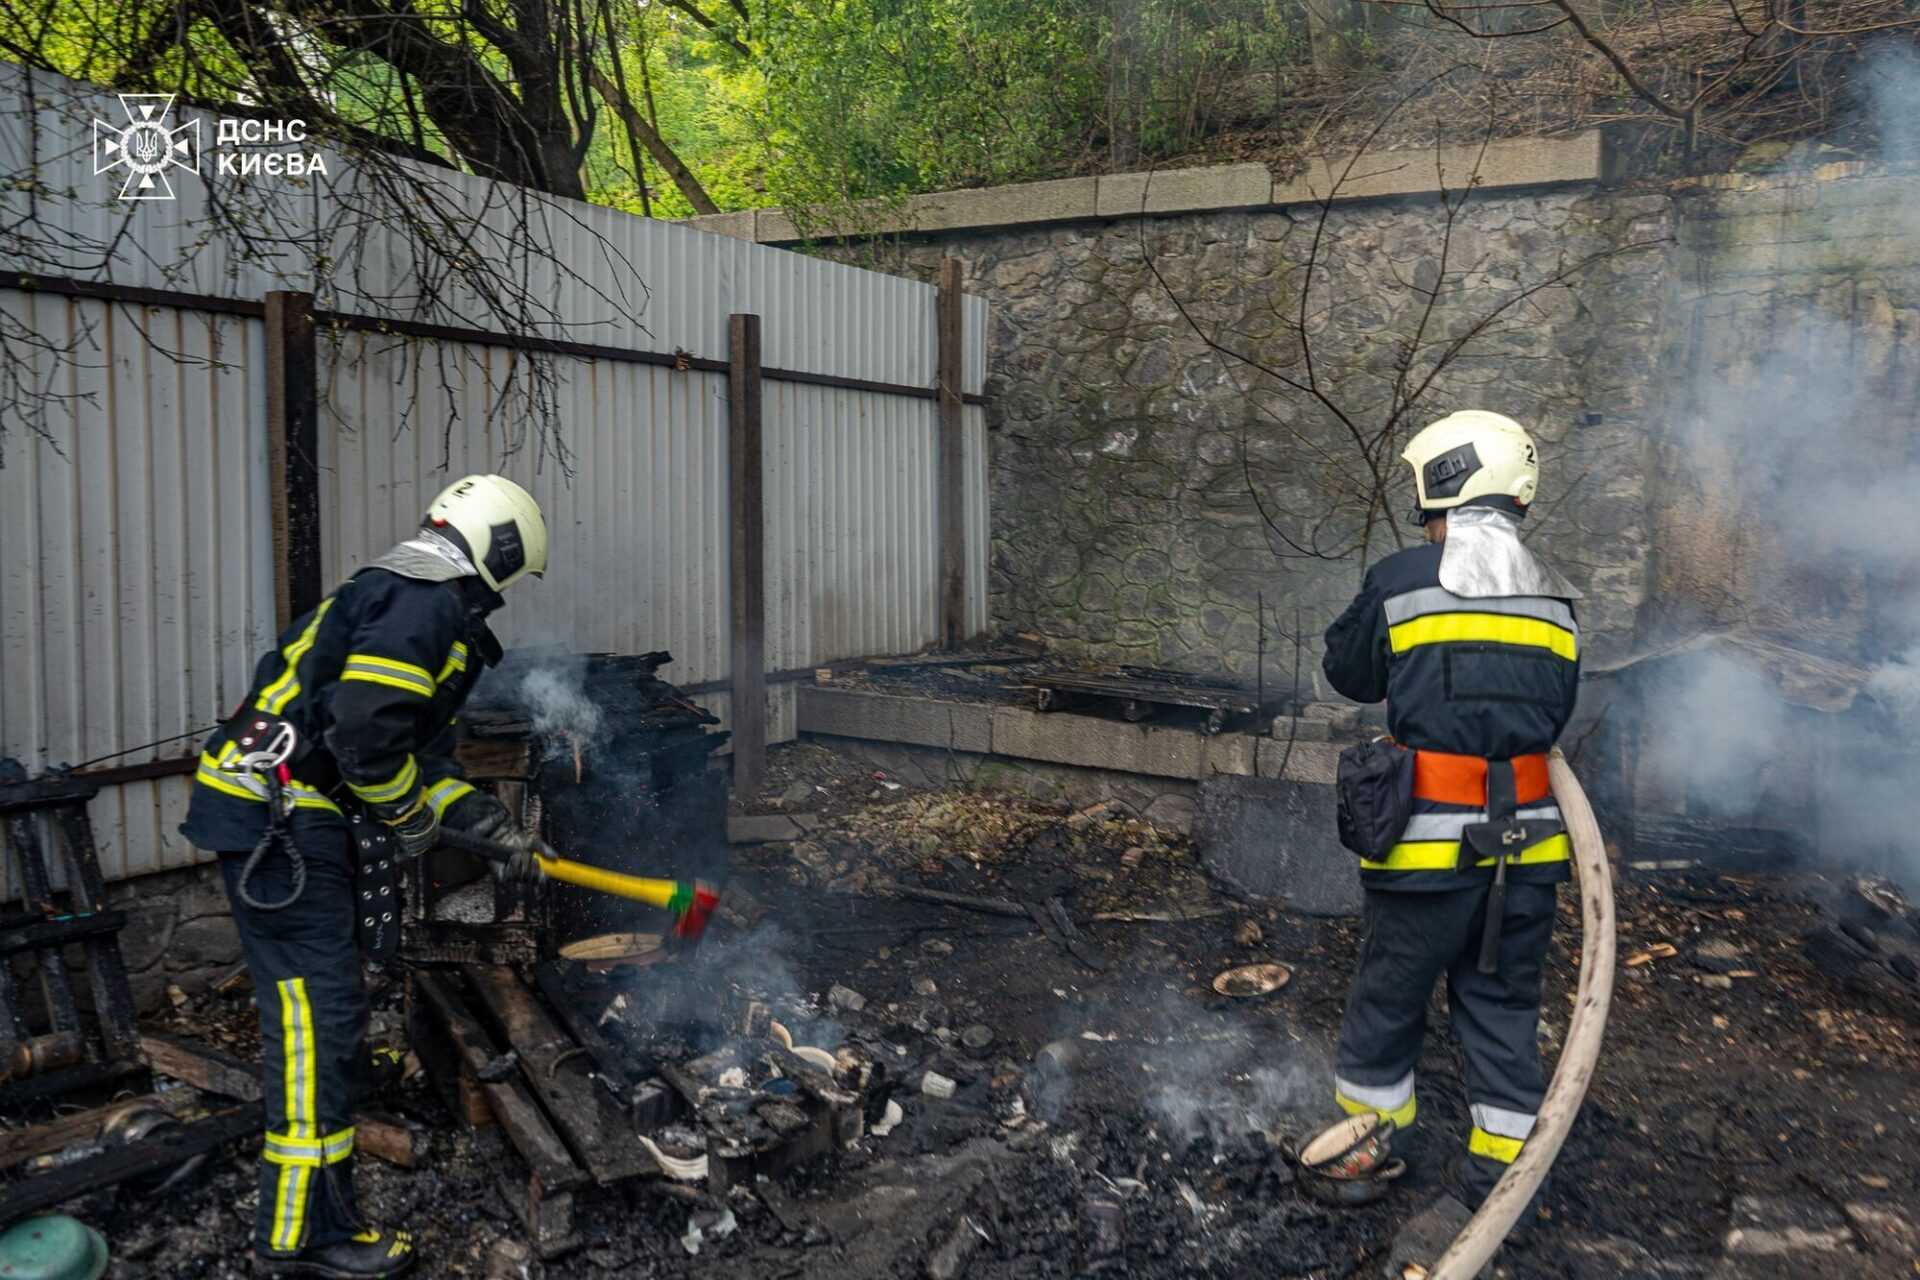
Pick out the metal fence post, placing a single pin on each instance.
(953, 485)
(293, 453)
(748, 504)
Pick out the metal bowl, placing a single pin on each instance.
(52, 1248)
(1353, 1148)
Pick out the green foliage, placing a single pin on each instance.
(843, 101)
(810, 105)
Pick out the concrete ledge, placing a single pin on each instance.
(1509, 162)
(1063, 738)
(921, 722)
(1506, 163)
(1227, 186)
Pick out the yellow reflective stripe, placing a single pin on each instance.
(442, 795)
(395, 788)
(275, 697)
(289, 1209)
(1444, 855)
(1487, 628)
(388, 671)
(211, 775)
(456, 661)
(1402, 1115)
(1495, 1147)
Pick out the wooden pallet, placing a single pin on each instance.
(563, 1119)
(103, 1049)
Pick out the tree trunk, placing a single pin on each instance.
(663, 155)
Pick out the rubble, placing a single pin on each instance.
(1127, 1121)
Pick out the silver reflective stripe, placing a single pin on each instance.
(1501, 1122)
(1389, 1097)
(1418, 604)
(1449, 826)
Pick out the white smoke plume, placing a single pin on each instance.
(1798, 424)
(557, 700)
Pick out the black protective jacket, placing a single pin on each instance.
(371, 679)
(1492, 678)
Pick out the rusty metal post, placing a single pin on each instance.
(953, 480)
(748, 518)
(293, 454)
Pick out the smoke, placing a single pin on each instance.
(1892, 74)
(556, 698)
(1223, 1096)
(1789, 521)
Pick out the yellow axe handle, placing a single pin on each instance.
(647, 889)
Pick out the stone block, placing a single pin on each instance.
(204, 943)
(1061, 738)
(1300, 730)
(1226, 186)
(1272, 841)
(1317, 762)
(923, 722)
(1236, 754)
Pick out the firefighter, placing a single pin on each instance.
(338, 764)
(1471, 639)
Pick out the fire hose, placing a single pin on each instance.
(691, 901)
(1476, 1243)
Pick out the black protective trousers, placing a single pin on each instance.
(1409, 941)
(313, 1030)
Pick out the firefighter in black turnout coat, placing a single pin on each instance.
(1472, 641)
(337, 766)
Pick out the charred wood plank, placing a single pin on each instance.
(55, 985)
(74, 1080)
(160, 1151)
(59, 930)
(21, 1145)
(989, 906)
(385, 1137)
(1674, 837)
(591, 1123)
(545, 1212)
(1881, 975)
(512, 1106)
(202, 1066)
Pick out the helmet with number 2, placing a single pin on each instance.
(500, 523)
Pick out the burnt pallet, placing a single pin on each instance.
(536, 1174)
(108, 1042)
(589, 1117)
(1138, 697)
(156, 1153)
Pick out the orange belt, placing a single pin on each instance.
(1450, 779)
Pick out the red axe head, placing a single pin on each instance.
(693, 921)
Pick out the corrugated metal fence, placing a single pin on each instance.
(137, 565)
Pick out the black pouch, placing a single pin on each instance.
(376, 889)
(1375, 794)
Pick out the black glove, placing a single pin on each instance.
(415, 827)
(481, 815)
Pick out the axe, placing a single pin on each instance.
(691, 901)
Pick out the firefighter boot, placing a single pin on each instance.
(373, 1254)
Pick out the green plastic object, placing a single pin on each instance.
(52, 1248)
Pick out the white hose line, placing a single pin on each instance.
(1476, 1244)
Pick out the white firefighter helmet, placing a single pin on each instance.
(1470, 456)
(505, 533)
